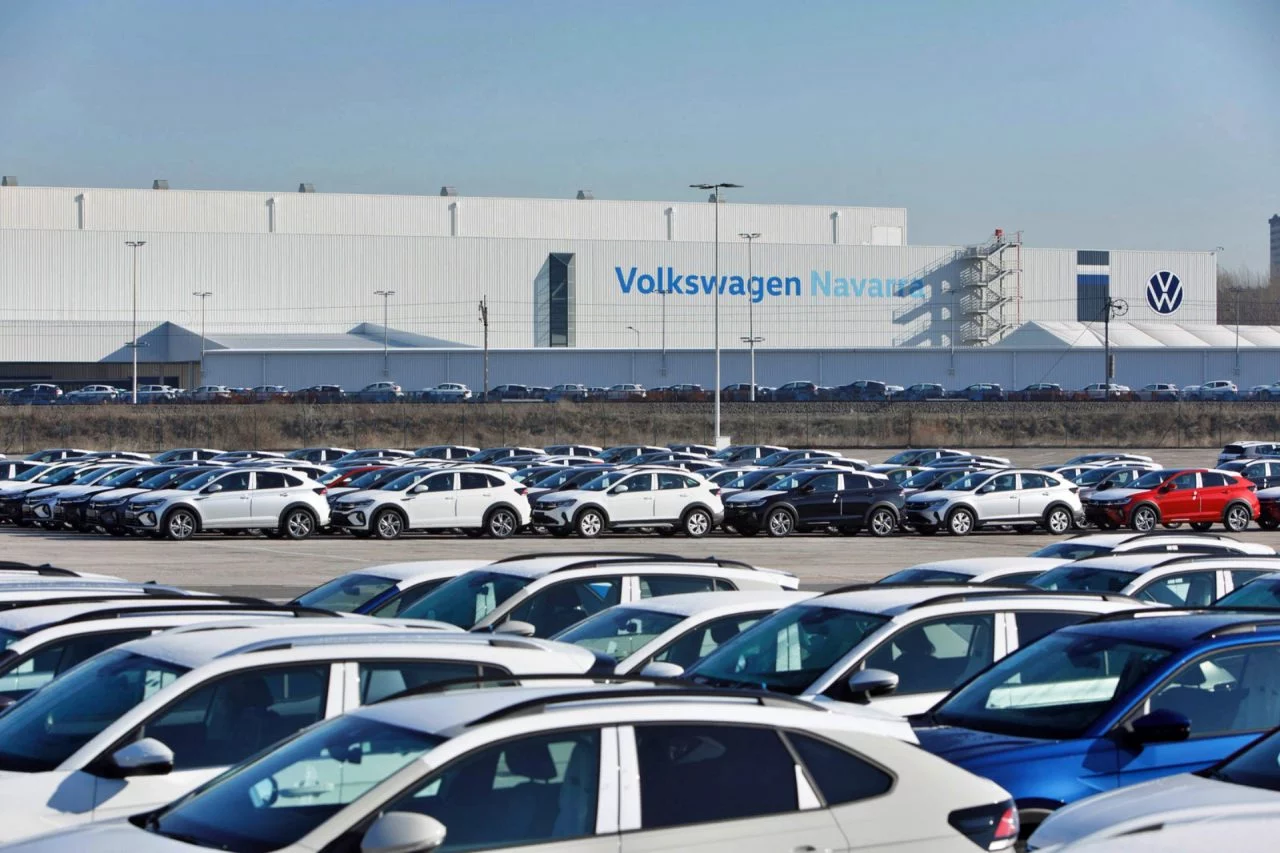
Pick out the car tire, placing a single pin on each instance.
(589, 523)
(1268, 523)
(1058, 521)
(1201, 526)
(298, 524)
(1172, 525)
(925, 529)
(961, 522)
(697, 523)
(501, 523)
(779, 522)
(180, 525)
(387, 524)
(882, 523)
(1237, 518)
(744, 530)
(1144, 519)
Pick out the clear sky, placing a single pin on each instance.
(1083, 123)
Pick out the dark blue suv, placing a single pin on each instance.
(1111, 702)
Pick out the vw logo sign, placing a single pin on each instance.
(1164, 292)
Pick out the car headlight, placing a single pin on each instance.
(149, 503)
(755, 503)
(355, 504)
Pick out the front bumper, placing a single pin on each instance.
(11, 509)
(143, 518)
(552, 516)
(1269, 511)
(1117, 514)
(349, 519)
(921, 516)
(744, 516)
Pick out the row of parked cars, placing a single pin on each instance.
(587, 491)
(1108, 687)
(791, 392)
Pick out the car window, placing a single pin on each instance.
(935, 655)
(1213, 478)
(560, 605)
(1193, 589)
(1003, 483)
(228, 719)
(652, 586)
(619, 631)
(1034, 481)
(639, 483)
(706, 638)
(1034, 624)
(824, 483)
(439, 483)
(270, 480)
(671, 481)
(841, 777)
(29, 672)
(525, 791)
(854, 482)
(724, 764)
(1185, 481)
(238, 482)
(1240, 577)
(383, 678)
(407, 598)
(1229, 691)
(347, 593)
(473, 480)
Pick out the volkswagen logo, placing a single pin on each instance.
(1164, 292)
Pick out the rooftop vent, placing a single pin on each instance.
(448, 191)
(159, 184)
(585, 195)
(9, 181)
(306, 188)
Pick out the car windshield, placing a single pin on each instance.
(619, 631)
(603, 481)
(925, 576)
(1069, 550)
(31, 473)
(969, 482)
(906, 457)
(1055, 688)
(165, 477)
(329, 476)
(1084, 579)
(1257, 766)
(127, 477)
(197, 483)
(1097, 475)
(920, 480)
(748, 479)
(405, 481)
(49, 725)
(347, 593)
(287, 792)
(1260, 594)
(788, 650)
(1151, 479)
(467, 599)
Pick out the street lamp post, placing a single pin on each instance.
(203, 294)
(386, 301)
(633, 353)
(715, 198)
(751, 340)
(133, 344)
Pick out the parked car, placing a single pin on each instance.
(210, 394)
(91, 395)
(1269, 392)
(1248, 450)
(1022, 497)
(1269, 508)
(508, 392)
(664, 499)
(1106, 391)
(445, 451)
(1100, 544)
(1199, 496)
(626, 391)
(320, 394)
(36, 395)
(1219, 389)
(427, 499)
(918, 456)
(862, 390)
(385, 590)
(995, 571)
(569, 392)
(922, 391)
(1177, 580)
(1190, 392)
(981, 392)
(796, 392)
(1263, 473)
(816, 500)
(185, 454)
(626, 453)
(270, 393)
(379, 392)
(1038, 392)
(687, 392)
(1157, 391)
(279, 502)
(744, 454)
(446, 392)
(106, 509)
(740, 392)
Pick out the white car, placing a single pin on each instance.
(901, 648)
(1178, 580)
(276, 501)
(582, 769)
(210, 393)
(1157, 391)
(1101, 544)
(92, 394)
(145, 722)
(669, 499)
(384, 590)
(1004, 497)
(483, 501)
(1105, 391)
(976, 570)
(544, 595)
(674, 629)
(1246, 781)
(1218, 389)
(446, 392)
(1248, 449)
(1246, 827)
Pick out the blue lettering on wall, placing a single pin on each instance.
(823, 284)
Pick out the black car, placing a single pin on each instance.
(318, 455)
(1263, 473)
(39, 394)
(848, 501)
(862, 390)
(320, 394)
(511, 392)
(922, 391)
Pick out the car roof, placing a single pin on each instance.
(975, 566)
(24, 619)
(1183, 629)
(890, 600)
(537, 566)
(420, 569)
(697, 603)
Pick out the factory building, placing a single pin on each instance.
(298, 288)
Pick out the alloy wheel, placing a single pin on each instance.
(780, 523)
(181, 525)
(882, 523)
(299, 524)
(1059, 521)
(697, 523)
(502, 523)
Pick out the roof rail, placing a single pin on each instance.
(860, 587)
(1146, 611)
(1024, 592)
(45, 570)
(648, 558)
(586, 555)
(1180, 557)
(400, 634)
(86, 599)
(216, 606)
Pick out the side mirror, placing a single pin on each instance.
(661, 669)
(146, 757)
(213, 489)
(617, 490)
(403, 832)
(516, 627)
(418, 489)
(869, 683)
(1160, 726)
(805, 490)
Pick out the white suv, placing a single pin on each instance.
(1023, 497)
(669, 499)
(583, 768)
(475, 500)
(143, 723)
(277, 501)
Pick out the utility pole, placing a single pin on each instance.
(484, 321)
(133, 344)
(386, 301)
(1237, 295)
(751, 340)
(203, 294)
(715, 199)
(1112, 308)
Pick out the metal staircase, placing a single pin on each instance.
(986, 290)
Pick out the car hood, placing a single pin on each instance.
(70, 491)
(167, 494)
(878, 722)
(116, 494)
(967, 747)
(1182, 798)
(1115, 494)
(22, 488)
(752, 495)
(931, 495)
(105, 837)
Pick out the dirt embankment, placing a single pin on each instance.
(836, 425)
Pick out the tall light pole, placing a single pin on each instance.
(203, 294)
(133, 344)
(633, 353)
(751, 340)
(715, 198)
(386, 302)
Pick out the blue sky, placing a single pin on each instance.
(1083, 123)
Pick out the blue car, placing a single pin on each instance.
(1115, 701)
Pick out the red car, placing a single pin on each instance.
(1198, 496)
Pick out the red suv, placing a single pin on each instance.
(1197, 495)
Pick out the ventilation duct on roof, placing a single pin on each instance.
(9, 181)
(585, 195)
(159, 184)
(448, 191)
(306, 188)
